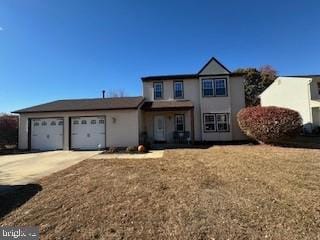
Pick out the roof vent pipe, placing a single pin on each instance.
(103, 93)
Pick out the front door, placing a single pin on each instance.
(159, 128)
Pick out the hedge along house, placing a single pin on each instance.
(174, 109)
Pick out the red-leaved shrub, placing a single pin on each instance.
(269, 124)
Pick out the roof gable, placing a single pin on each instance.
(213, 67)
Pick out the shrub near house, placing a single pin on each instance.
(269, 124)
(8, 130)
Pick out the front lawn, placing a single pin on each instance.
(224, 192)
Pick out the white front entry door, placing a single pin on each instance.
(88, 133)
(159, 128)
(47, 134)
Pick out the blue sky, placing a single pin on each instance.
(57, 49)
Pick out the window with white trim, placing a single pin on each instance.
(222, 122)
(214, 87)
(178, 89)
(207, 87)
(158, 90)
(179, 122)
(209, 122)
(220, 87)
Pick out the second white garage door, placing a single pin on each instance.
(88, 132)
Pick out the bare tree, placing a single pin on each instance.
(116, 93)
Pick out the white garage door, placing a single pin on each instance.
(47, 134)
(88, 133)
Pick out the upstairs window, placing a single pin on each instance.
(158, 90)
(220, 87)
(207, 87)
(214, 87)
(178, 89)
(179, 122)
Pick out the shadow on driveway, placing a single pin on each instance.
(12, 197)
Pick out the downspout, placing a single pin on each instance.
(309, 101)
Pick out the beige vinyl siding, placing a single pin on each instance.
(121, 133)
(229, 104)
(213, 68)
(216, 105)
(237, 103)
(169, 123)
(191, 92)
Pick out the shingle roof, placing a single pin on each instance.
(167, 105)
(184, 76)
(86, 105)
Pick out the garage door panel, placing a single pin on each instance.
(47, 134)
(88, 133)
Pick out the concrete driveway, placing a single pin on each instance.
(28, 168)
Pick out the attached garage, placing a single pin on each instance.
(81, 124)
(88, 132)
(46, 133)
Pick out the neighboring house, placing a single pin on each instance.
(300, 93)
(174, 109)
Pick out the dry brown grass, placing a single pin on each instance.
(231, 192)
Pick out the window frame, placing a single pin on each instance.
(204, 123)
(182, 89)
(154, 90)
(202, 87)
(227, 122)
(183, 122)
(216, 129)
(214, 89)
(225, 87)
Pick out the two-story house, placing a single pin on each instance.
(202, 106)
(300, 93)
(174, 109)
